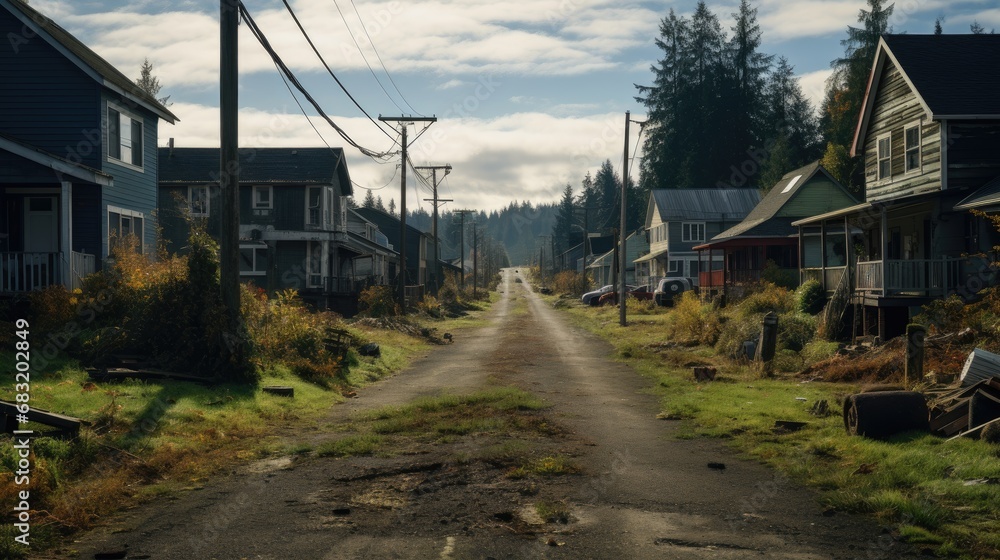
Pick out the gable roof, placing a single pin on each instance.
(761, 221)
(273, 166)
(386, 221)
(986, 196)
(58, 164)
(953, 76)
(702, 204)
(105, 74)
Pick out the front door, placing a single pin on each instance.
(41, 224)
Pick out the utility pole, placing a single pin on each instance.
(434, 224)
(229, 182)
(622, 253)
(475, 259)
(462, 214)
(404, 121)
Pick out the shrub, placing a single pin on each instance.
(948, 314)
(694, 322)
(812, 297)
(735, 331)
(571, 282)
(430, 305)
(377, 301)
(449, 293)
(52, 309)
(768, 298)
(783, 277)
(795, 330)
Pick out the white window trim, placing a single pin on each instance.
(254, 272)
(107, 134)
(920, 144)
(878, 160)
(309, 224)
(131, 214)
(686, 228)
(208, 201)
(673, 265)
(270, 197)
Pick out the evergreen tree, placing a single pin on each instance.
(565, 219)
(150, 84)
(392, 206)
(606, 188)
(379, 205)
(748, 69)
(937, 26)
(369, 201)
(790, 122)
(780, 161)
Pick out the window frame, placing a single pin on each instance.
(879, 159)
(256, 250)
(117, 150)
(686, 232)
(255, 201)
(208, 201)
(137, 226)
(907, 149)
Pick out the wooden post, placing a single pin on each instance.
(768, 341)
(914, 353)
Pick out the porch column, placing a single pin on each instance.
(66, 232)
(884, 227)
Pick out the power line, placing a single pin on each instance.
(327, 66)
(372, 43)
(262, 39)
(363, 57)
(301, 108)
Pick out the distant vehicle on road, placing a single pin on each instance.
(670, 287)
(641, 293)
(591, 298)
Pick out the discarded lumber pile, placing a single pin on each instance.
(64, 424)
(965, 411)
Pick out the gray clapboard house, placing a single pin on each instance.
(678, 220)
(296, 230)
(929, 132)
(78, 165)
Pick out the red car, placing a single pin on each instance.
(640, 293)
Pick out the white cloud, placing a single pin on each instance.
(782, 20)
(523, 156)
(449, 84)
(814, 86)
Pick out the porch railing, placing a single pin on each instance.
(828, 277)
(928, 277)
(82, 265)
(25, 272)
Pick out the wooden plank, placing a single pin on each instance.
(68, 423)
(959, 411)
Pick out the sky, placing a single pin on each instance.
(530, 95)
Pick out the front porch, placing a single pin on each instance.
(22, 272)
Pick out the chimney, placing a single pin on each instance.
(170, 144)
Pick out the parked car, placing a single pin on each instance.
(641, 293)
(591, 298)
(670, 287)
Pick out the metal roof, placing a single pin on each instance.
(113, 78)
(987, 195)
(704, 204)
(285, 166)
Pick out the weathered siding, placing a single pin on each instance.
(290, 208)
(896, 107)
(819, 196)
(290, 257)
(45, 99)
(676, 231)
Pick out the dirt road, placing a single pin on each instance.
(639, 493)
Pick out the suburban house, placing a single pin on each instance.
(929, 132)
(78, 165)
(678, 220)
(295, 227)
(602, 268)
(765, 242)
(419, 250)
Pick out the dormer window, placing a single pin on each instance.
(912, 134)
(124, 137)
(884, 156)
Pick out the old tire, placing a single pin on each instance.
(884, 414)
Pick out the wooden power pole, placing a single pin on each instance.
(623, 233)
(434, 223)
(462, 214)
(404, 121)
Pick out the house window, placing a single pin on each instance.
(253, 260)
(314, 206)
(124, 137)
(693, 231)
(673, 266)
(198, 201)
(123, 223)
(262, 198)
(884, 156)
(912, 134)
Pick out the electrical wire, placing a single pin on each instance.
(328, 69)
(372, 43)
(363, 57)
(301, 108)
(262, 39)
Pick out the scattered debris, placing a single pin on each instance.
(787, 426)
(979, 481)
(883, 414)
(979, 366)
(279, 390)
(865, 468)
(67, 425)
(966, 410)
(371, 349)
(120, 373)
(553, 542)
(342, 511)
(717, 466)
(448, 336)
(821, 408)
(704, 373)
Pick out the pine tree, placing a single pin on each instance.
(563, 228)
(392, 207)
(607, 186)
(937, 26)
(369, 201)
(379, 205)
(150, 84)
(748, 68)
(789, 120)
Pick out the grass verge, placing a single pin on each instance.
(934, 492)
